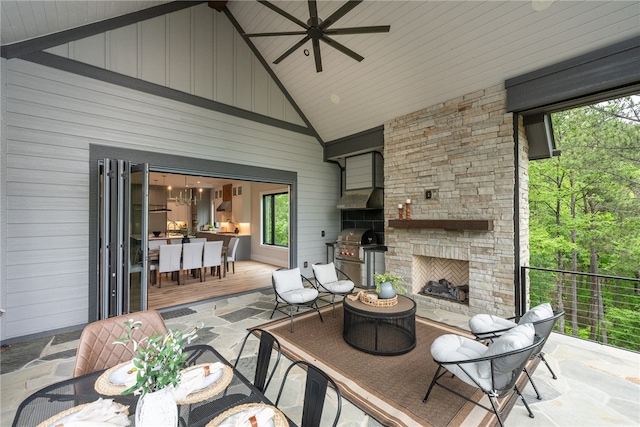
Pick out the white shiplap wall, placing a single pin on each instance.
(52, 118)
(196, 51)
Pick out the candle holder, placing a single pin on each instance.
(408, 215)
(400, 209)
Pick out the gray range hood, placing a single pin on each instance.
(366, 198)
(364, 182)
(224, 207)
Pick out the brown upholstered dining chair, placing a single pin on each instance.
(96, 350)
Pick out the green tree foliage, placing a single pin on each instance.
(585, 216)
(276, 219)
(282, 219)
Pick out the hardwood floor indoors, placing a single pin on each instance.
(249, 276)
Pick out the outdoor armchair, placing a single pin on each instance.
(487, 328)
(331, 281)
(290, 291)
(495, 370)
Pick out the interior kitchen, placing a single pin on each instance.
(182, 205)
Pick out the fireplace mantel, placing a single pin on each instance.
(445, 224)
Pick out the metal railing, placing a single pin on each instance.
(600, 308)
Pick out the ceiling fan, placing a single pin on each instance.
(316, 30)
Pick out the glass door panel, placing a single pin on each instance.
(136, 291)
(123, 237)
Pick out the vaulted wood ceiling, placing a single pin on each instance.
(434, 51)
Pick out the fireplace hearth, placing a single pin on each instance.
(446, 290)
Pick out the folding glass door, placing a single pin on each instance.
(123, 247)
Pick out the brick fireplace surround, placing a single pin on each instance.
(464, 148)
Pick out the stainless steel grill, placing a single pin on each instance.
(350, 241)
(354, 254)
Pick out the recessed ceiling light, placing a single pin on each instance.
(540, 5)
(335, 98)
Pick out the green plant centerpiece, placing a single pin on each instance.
(157, 359)
(387, 284)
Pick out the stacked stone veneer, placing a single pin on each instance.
(465, 149)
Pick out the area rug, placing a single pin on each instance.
(388, 388)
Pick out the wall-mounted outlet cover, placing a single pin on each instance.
(306, 264)
(431, 194)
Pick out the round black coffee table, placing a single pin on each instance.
(380, 330)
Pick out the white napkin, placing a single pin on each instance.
(122, 376)
(263, 418)
(197, 379)
(101, 413)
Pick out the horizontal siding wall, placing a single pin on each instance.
(53, 117)
(196, 51)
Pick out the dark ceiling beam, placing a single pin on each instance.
(17, 50)
(266, 66)
(218, 6)
(589, 78)
(361, 142)
(108, 76)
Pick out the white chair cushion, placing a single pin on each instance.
(451, 347)
(325, 273)
(298, 296)
(339, 287)
(537, 313)
(519, 337)
(483, 323)
(287, 280)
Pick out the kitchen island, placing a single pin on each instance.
(244, 245)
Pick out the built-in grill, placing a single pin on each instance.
(357, 253)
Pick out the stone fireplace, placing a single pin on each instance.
(463, 151)
(441, 278)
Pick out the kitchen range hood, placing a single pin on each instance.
(225, 205)
(364, 178)
(366, 198)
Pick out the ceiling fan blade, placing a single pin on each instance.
(334, 44)
(313, 13)
(346, 8)
(358, 30)
(279, 11)
(291, 50)
(284, 33)
(316, 54)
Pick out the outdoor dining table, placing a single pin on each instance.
(64, 395)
